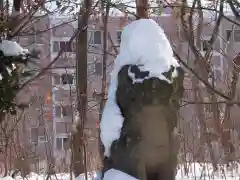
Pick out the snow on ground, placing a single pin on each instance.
(196, 171)
(205, 171)
(114, 174)
(143, 43)
(12, 48)
(58, 176)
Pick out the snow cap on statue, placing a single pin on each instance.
(141, 36)
(143, 42)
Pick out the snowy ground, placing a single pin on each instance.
(196, 172)
(59, 176)
(205, 171)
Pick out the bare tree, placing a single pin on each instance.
(79, 147)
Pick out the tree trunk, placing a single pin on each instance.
(6, 162)
(147, 148)
(142, 9)
(228, 146)
(79, 153)
(104, 69)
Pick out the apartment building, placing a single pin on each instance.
(32, 139)
(48, 122)
(64, 88)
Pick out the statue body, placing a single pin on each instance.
(147, 147)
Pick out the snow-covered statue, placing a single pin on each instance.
(138, 125)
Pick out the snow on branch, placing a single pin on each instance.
(144, 45)
(13, 61)
(12, 48)
(10, 53)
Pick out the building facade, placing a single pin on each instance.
(49, 120)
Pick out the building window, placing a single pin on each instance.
(62, 143)
(98, 68)
(38, 135)
(59, 143)
(216, 61)
(95, 37)
(67, 47)
(233, 34)
(63, 111)
(34, 135)
(58, 111)
(237, 35)
(207, 107)
(66, 111)
(74, 46)
(35, 53)
(41, 120)
(56, 79)
(119, 33)
(228, 35)
(56, 46)
(217, 75)
(66, 144)
(42, 139)
(90, 68)
(205, 45)
(63, 127)
(63, 79)
(36, 36)
(67, 78)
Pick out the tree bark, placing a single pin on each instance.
(142, 9)
(104, 69)
(79, 150)
(228, 146)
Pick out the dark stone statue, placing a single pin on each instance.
(148, 145)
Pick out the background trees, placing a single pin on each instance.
(211, 95)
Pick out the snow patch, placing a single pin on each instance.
(12, 48)
(58, 176)
(76, 122)
(110, 124)
(195, 171)
(114, 174)
(143, 43)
